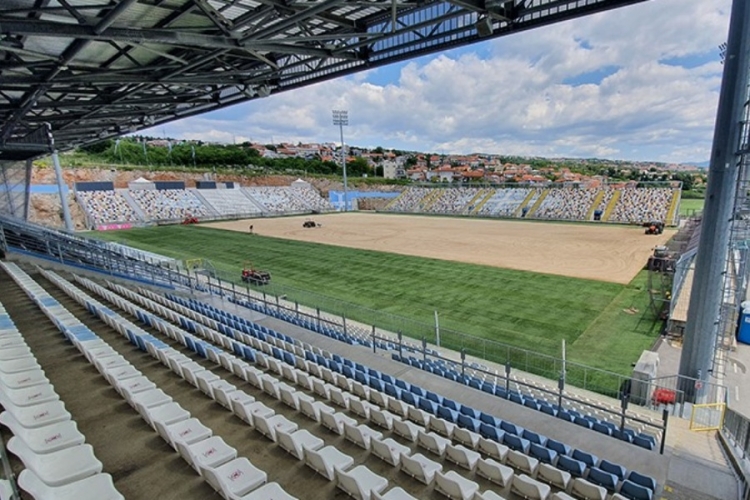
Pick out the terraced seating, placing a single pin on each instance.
(475, 380)
(229, 201)
(240, 336)
(58, 463)
(219, 466)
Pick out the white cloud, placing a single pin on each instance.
(521, 97)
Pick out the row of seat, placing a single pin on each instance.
(209, 455)
(352, 335)
(328, 461)
(358, 482)
(588, 421)
(579, 469)
(59, 464)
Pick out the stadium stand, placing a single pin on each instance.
(504, 202)
(276, 199)
(408, 200)
(236, 347)
(229, 201)
(626, 205)
(312, 199)
(106, 207)
(566, 204)
(168, 204)
(453, 201)
(638, 205)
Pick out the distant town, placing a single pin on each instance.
(396, 164)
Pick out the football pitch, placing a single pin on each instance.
(604, 324)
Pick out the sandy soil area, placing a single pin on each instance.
(600, 252)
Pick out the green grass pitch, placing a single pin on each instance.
(528, 310)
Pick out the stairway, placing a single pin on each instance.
(487, 197)
(537, 203)
(525, 202)
(674, 206)
(611, 205)
(594, 205)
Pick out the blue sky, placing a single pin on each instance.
(637, 83)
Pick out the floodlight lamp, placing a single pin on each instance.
(264, 91)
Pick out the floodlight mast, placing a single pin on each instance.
(341, 118)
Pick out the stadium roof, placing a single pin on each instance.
(92, 69)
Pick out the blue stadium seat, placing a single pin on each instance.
(415, 389)
(511, 428)
(434, 397)
(491, 432)
(644, 442)
(447, 414)
(600, 427)
(635, 491)
(515, 397)
(489, 419)
(451, 404)
(410, 398)
(585, 457)
(430, 407)
(642, 480)
(560, 447)
(602, 478)
(390, 389)
(516, 443)
(531, 403)
(468, 410)
(534, 437)
(469, 423)
(542, 454)
(613, 468)
(548, 409)
(583, 422)
(575, 467)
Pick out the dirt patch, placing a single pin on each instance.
(600, 252)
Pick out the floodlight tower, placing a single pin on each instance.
(341, 118)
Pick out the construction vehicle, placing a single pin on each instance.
(654, 227)
(309, 223)
(255, 276)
